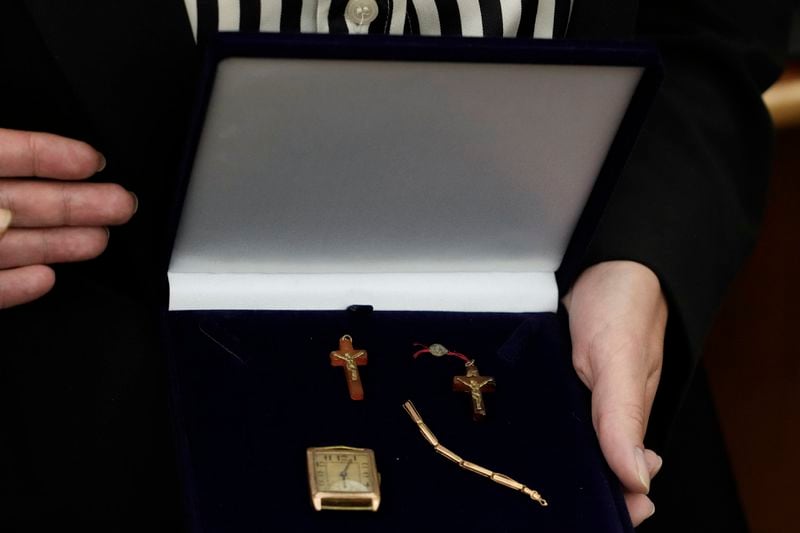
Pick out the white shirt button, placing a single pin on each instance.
(361, 12)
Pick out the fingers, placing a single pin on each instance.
(45, 155)
(640, 507)
(50, 203)
(22, 247)
(25, 284)
(71, 217)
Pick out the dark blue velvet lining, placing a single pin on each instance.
(245, 420)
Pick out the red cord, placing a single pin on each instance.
(426, 349)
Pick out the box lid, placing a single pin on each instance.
(407, 174)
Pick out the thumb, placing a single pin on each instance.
(618, 415)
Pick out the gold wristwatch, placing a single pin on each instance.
(343, 478)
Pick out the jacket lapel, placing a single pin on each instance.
(131, 66)
(125, 60)
(603, 19)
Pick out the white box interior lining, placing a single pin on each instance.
(319, 184)
(467, 292)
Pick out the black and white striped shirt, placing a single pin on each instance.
(545, 19)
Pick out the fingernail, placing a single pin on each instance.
(5, 219)
(108, 232)
(657, 469)
(652, 510)
(641, 468)
(102, 165)
(135, 202)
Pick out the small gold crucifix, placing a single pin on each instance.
(476, 385)
(350, 359)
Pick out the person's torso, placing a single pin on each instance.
(470, 18)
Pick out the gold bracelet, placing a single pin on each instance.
(466, 465)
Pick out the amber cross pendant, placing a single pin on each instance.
(350, 359)
(475, 385)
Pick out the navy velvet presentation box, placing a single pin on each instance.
(400, 191)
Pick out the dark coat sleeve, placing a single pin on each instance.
(689, 202)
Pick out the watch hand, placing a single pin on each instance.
(343, 473)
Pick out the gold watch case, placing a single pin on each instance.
(343, 478)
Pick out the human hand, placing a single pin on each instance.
(617, 318)
(55, 220)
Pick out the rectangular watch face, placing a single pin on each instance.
(343, 478)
